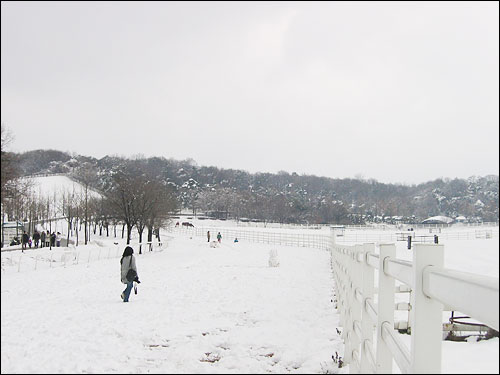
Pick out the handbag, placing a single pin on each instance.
(131, 274)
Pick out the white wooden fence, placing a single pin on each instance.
(371, 343)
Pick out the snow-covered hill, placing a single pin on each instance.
(55, 186)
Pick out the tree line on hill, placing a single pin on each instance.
(281, 197)
(129, 196)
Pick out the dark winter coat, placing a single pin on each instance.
(25, 238)
(36, 236)
(42, 236)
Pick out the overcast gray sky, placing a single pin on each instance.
(400, 92)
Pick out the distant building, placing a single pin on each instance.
(220, 215)
(339, 230)
(12, 229)
(438, 220)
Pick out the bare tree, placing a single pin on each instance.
(139, 199)
(87, 176)
(122, 199)
(69, 203)
(163, 204)
(8, 170)
(153, 204)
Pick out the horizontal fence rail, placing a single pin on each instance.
(469, 293)
(432, 288)
(369, 236)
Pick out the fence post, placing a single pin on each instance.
(341, 291)
(343, 299)
(333, 239)
(368, 290)
(356, 307)
(426, 313)
(385, 313)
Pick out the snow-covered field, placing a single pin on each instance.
(199, 309)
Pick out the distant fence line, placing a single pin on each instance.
(372, 226)
(31, 259)
(321, 241)
(46, 175)
(318, 241)
(392, 237)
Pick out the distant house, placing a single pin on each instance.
(338, 229)
(438, 220)
(220, 215)
(12, 229)
(398, 219)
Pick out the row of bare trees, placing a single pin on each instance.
(139, 199)
(134, 198)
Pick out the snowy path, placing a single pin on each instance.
(199, 310)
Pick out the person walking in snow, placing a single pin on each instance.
(24, 240)
(47, 239)
(128, 262)
(219, 237)
(208, 236)
(36, 238)
(42, 239)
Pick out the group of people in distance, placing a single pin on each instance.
(40, 240)
(219, 237)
